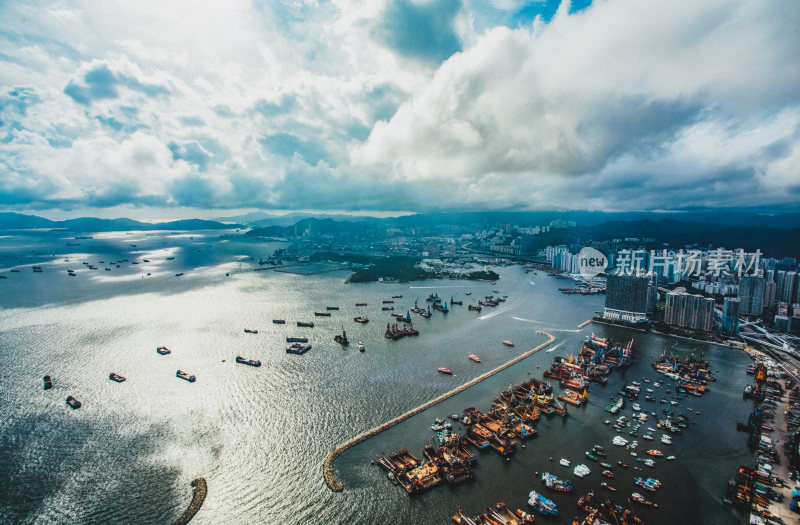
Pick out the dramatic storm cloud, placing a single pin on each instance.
(399, 104)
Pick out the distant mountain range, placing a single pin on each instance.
(18, 221)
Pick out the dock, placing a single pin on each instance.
(327, 467)
(585, 323)
(199, 496)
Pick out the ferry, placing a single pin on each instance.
(116, 377)
(73, 403)
(163, 350)
(249, 331)
(305, 324)
(48, 383)
(474, 358)
(541, 504)
(297, 339)
(251, 362)
(508, 343)
(361, 319)
(445, 371)
(279, 321)
(184, 375)
(361, 347)
(298, 348)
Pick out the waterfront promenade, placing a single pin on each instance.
(328, 465)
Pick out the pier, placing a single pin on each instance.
(200, 491)
(585, 323)
(327, 467)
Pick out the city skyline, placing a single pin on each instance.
(397, 106)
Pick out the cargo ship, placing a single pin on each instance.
(508, 343)
(331, 307)
(445, 371)
(475, 358)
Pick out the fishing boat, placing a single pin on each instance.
(361, 347)
(607, 474)
(638, 498)
(564, 462)
(279, 321)
(305, 324)
(361, 319)
(73, 403)
(116, 377)
(650, 463)
(445, 371)
(607, 487)
(474, 358)
(552, 482)
(666, 439)
(581, 471)
(185, 375)
(508, 343)
(251, 362)
(163, 350)
(619, 441)
(655, 453)
(341, 338)
(47, 383)
(250, 331)
(541, 504)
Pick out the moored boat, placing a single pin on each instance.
(541, 504)
(244, 361)
(298, 348)
(581, 471)
(361, 319)
(322, 314)
(295, 339)
(186, 376)
(361, 347)
(564, 462)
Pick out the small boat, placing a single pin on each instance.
(249, 331)
(619, 441)
(552, 482)
(606, 466)
(541, 504)
(331, 307)
(474, 358)
(163, 350)
(581, 471)
(636, 407)
(73, 403)
(176, 275)
(305, 324)
(293, 339)
(322, 314)
(508, 343)
(397, 297)
(361, 304)
(607, 487)
(279, 321)
(361, 347)
(621, 464)
(650, 463)
(445, 371)
(666, 439)
(361, 319)
(387, 308)
(251, 362)
(671, 458)
(116, 377)
(655, 453)
(298, 348)
(564, 462)
(638, 498)
(48, 383)
(185, 375)
(607, 474)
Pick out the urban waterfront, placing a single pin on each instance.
(260, 435)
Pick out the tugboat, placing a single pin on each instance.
(249, 331)
(184, 375)
(474, 358)
(116, 377)
(305, 324)
(361, 319)
(361, 347)
(251, 362)
(508, 343)
(48, 383)
(163, 350)
(73, 403)
(541, 504)
(342, 338)
(445, 371)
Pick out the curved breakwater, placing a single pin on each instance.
(200, 491)
(327, 467)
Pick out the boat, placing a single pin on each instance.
(361, 347)
(397, 297)
(251, 362)
(445, 371)
(619, 441)
(671, 458)
(655, 453)
(361, 304)
(361, 319)
(298, 348)
(294, 339)
(116, 377)
(163, 350)
(279, 321)
(607, 474)
(581, 471)
(184, 375)
(474, 308)
(73, 403)
(322, 314)
(666, 439)
(387, 308)
(474, 358)
(638, 498)
(650, 463)
(250, 331)
(552, 482)
(564, 462)
(305, 324)
(331, 307)
(508, 343)
(607, 487)
(636, 407)
(341, 338)
(177, 274)
(48, 383)
(541, 504)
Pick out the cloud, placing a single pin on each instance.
(421, 30)
(101, 83)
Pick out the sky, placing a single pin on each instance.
(201, 108)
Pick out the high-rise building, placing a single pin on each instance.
(630, 297)
(751, 295)
(730, 316)
(769, 275)
(769, 294)
(695, 312)
(785, 283)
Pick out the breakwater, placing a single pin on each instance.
(327, 467)
(199, 496)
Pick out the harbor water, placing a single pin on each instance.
(259, 435)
